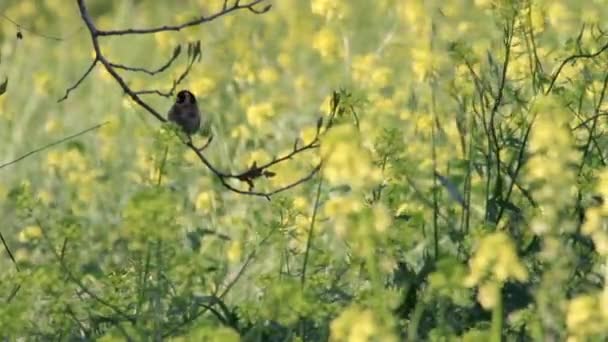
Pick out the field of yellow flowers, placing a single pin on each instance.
(375, 170)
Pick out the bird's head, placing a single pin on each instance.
(185, 97)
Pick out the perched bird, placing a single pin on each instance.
(185, 113)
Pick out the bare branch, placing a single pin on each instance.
(8, 251)
(164, 67)
(573, 59)
(176, 82)
(202, 19)
(80, 80)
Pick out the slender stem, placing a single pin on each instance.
(310, 232)
(497, 318)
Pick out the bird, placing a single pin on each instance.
(185, 112)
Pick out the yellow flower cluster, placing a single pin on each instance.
(330, 9)
(75, 169)
(356, 324)
(367, 72)
(494, 262)
(205, 202)
(550, 170)
(346, 161)
(596, 223)
(259, 114)
(587, 316)
(29, 233)
(328, 44)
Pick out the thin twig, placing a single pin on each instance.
(162, 68)
(310, 233)
(35, 33)
(8, 251)
(53, 144)
(573, 58)
(195, 22)
(80, 80)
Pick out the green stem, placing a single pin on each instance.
(497, 318)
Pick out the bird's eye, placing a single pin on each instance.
(181, 97)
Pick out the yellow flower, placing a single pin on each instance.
(41, 82)
(52, 126)
(258, 114)
(285, 60)
(488, 295)
(240, 132)
(202, 86)
(362, 66)
(327, 44)
(353, 325)
(329, 9)
(584, 316)
(497, 259)
(165, 40)
(308, 134)
(259, 157)
(29, 233)
(381, 77)
(382, 219)
(342, 205)
(268, 75)
(346, 161)
(302, 82)
(234, 251)
(205, 202)
(301, 204)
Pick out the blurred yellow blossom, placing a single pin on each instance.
(330, 9)
(346, 161)
(327, 43)
(285, 60)
(234, 251)
(165, 40)
(357, 324)
(302, 83)
(497, 259)
(243, 72)
(584, 318)
(41, 82)
(258, 157)
(342, 205)
(381, 77)
(258, 114)
(553, 157)
(205, 202)
(560, 16)
(268, 75)
(308, 134)
(52, 125)
(45, 197)
(240, 132)
(382, 218)
(202, 86)
(489, 294)
(29, 233)
(301, 204)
